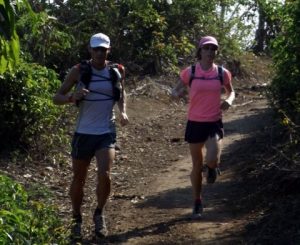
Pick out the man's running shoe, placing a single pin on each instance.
(100, 226)
(76, 228)
(197, 210)
(212, 175)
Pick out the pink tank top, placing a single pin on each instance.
(205, 93)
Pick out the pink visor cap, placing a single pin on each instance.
(99, 40)
(208, 40)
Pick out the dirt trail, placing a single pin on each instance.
(151, 202)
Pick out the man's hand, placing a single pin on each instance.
(79, 94)
(124, 119)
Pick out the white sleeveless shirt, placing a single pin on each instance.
(96, 115)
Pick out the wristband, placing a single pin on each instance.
(230, 98)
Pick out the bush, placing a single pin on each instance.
(284, 92)
(27, 222)
(27, 114)
(285, 87)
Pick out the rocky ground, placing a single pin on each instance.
(151, 199)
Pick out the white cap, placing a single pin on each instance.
(99, 40)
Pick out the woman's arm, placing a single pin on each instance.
(179, 90)
(230, 96)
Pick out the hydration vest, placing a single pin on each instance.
(115, 71)
(219, 77)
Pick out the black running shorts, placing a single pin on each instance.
(198, 132)
(84, 146)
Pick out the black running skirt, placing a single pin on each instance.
(198, 132)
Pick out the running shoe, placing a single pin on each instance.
(197, 210)
(76, 228)
(212, 175)
(100, 225)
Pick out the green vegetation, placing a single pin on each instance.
(147, 36)
(40, 41)
(285, 88)
(9, 40)
(25, 221)
(27, 113)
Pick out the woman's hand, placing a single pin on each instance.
(179, 91)
(225, 105)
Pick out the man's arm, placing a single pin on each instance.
(122, 100)
(63, 96)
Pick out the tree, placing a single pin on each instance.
(27, 111)
(285, 87)
(9, 41)
(268, 24)
(151, 36)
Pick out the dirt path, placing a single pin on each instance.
(151, 202)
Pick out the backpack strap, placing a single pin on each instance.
(85, 72)
(193, 67)
(221, 74)
(117, 75)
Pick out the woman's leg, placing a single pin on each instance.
(213, 151)
(196, 173)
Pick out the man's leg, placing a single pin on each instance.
(105, 158)
(80, 168)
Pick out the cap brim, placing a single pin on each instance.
(96, 45)
(209, 42)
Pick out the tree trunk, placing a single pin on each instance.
(260, 34)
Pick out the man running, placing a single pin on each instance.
(95, 130)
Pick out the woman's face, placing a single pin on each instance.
(208, 52)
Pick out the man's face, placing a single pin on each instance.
(99, 53)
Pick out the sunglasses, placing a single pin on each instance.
(210, 47)
(102, 49)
